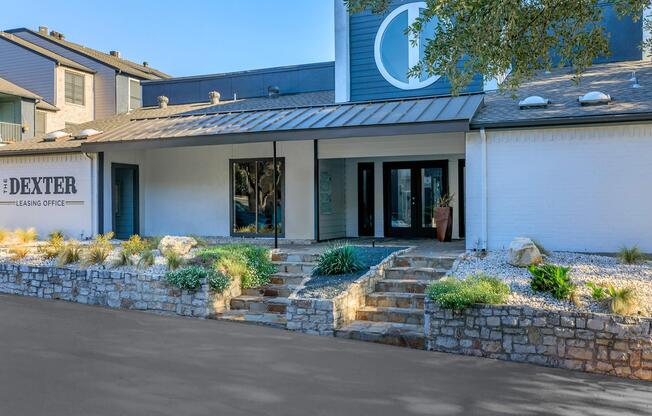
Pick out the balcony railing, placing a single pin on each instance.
(10, 132)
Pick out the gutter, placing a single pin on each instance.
(565, 121)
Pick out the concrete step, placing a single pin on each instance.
(402, 285)
(410, 316)
(272, 290)
(286, 278)
(402, 335)
(396, 300)
(260, 304)
(414, 273)
(442, 262)
(293, 257)
(276, 320)
(295, 267)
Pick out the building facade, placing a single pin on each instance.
(355, 148)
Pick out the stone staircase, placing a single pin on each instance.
(393, 314)
(266, 305)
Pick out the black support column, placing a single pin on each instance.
(100, 193)
(274, 177)
(316, 186)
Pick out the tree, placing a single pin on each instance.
(519, 37)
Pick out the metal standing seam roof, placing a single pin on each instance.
(438, 111)
(44, 52)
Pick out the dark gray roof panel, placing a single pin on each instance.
(502, 110)
(387, 113)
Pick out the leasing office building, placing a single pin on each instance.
(360, 150)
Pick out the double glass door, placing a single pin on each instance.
(412, 192)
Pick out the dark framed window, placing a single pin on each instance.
(135, 94)
(252, 197)
(75, 87)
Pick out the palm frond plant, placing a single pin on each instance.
(598, 292)
(70, 253)
(623, 301)
(146, 259)
(631, 255)
(26, 236)
(342, 259)
(18, 253)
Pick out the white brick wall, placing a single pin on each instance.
(579, 189)
(71, 113)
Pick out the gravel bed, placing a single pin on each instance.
(328, 287)
(37, 260)
(601, 270)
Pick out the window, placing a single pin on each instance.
(75, 88)
(135, 94)
(41, 123)
(252, 206)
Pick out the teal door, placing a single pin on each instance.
(125, 200)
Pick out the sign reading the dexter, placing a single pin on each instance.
(39, 191)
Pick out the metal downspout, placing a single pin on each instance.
(485, 214)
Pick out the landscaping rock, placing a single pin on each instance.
(180, 245)
(523, 253)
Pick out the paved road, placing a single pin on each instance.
(58, 358)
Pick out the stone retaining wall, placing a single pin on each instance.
(105, 288)
(592, 342)
(324, 316)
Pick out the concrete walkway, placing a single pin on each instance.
(59, 358)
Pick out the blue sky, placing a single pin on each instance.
(189, 37)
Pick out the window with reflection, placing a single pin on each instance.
(253, 197)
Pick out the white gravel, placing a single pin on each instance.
(37, 260)
(601, 270)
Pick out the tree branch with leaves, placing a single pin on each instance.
(519, 37)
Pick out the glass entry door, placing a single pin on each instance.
(411, 193)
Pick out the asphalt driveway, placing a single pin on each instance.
(59, 358)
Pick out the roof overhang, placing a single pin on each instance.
(290, 135)
(564, 121)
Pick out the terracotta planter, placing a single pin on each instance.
(444, 222)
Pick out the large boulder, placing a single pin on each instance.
(523, 252)
(180, 245)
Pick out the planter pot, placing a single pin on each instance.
(444, 222)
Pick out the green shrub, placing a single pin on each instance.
(70, 253)
(135, 245)
(552, 279)
(452, 293)
(218, 282)
(188, 278)
(146, 259)
(631, 255)
(173, 259)
(341, 259)
(597, 292)
(623, 301)
(249, 263)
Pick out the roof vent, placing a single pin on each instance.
(162, 101)
(55, 135)
(273, 91)
(115, 53)
(214, 97)
(86, 133)
(594, 98)
(57, 35)
(43, 30)
(534, 101)
(145, 64)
